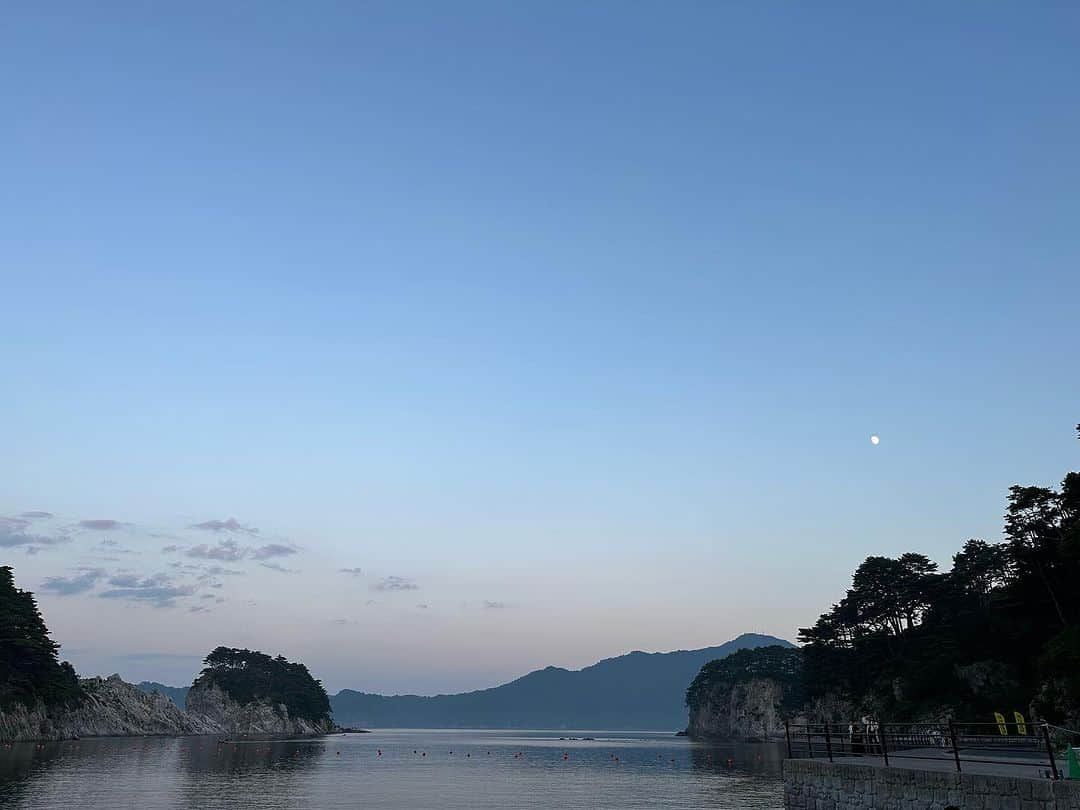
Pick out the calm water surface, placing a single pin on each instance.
(478, 770)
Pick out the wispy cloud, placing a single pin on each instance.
(103, 525)
(273, 550)
(37, 515)
(490, 605)
(279, 568)
(228, 525)
(422, 606)
(124, 580)
(224, 550)
(395, 584)
(355, 572)
(216, 571)
(229, 550)
(13, 533)
(158, 595)
(84, 581)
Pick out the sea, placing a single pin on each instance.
(394, 770)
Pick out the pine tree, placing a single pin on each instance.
(30, 669)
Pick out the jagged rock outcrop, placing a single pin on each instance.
(109, 707)
(751, 710)
(257, 717)
(746, 695)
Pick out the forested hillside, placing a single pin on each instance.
(999, 631)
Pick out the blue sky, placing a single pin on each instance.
(573, 318)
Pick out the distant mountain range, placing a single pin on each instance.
(637, 691)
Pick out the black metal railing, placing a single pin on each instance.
(1000, 744)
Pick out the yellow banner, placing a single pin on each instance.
(1004, 729)
(1021, 724)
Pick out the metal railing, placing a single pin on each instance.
(1000, 744)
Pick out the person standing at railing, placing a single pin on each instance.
(871, 734)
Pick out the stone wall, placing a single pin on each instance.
(819, 785)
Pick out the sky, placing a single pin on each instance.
(433, 343)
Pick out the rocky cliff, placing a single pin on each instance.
(746, 695)
(751, 710)
(109, 707)
(259, 716)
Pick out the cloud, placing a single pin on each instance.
(226, 550)
(113, 547)
(84, 581)
(170, 549)
(422, 606)
(162, 596)
(489, 605)
(36, 515)
(355, 572)
(395, 584)
(13, 533)
(280, 568)
(125, 580)
(344, 621)
(229, 525)
(273, 550)
(102, 525)
(198, 609)
(217, 571)
(207, 596)
(229, 550)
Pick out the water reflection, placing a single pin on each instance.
(760, 759)
(393, 770)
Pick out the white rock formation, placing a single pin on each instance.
(110, 707)
(257, 717)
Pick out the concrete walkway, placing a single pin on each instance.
(987, 763)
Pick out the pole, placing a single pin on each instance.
(1050, 752)
(955, 750)
(881, 739)
(809, 740)
(787, 736)
(828, 741)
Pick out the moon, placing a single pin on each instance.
(875, 439)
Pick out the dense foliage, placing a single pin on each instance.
(782, 664)
(247, 676)
(999, 631)
(30, 670)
